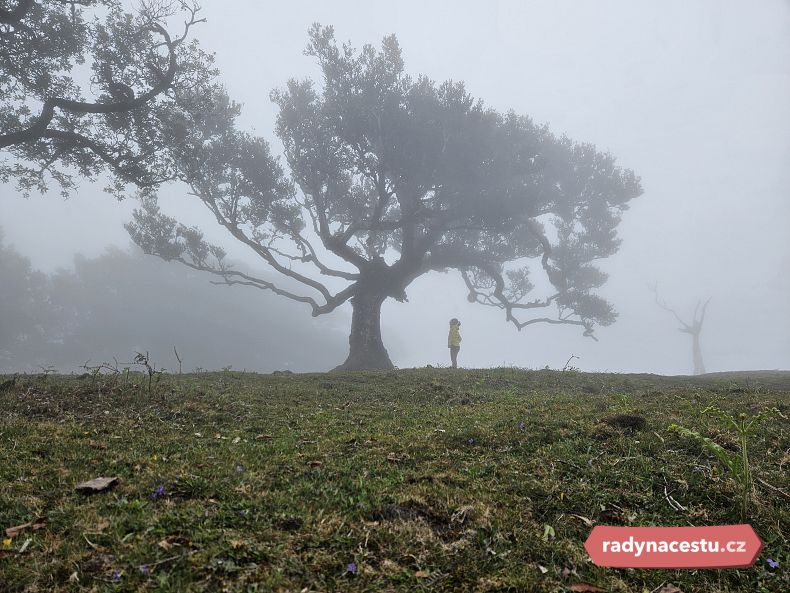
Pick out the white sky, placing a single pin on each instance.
(694, 96)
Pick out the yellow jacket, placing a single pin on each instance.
(454, 337)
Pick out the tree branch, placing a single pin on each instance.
(313, 257)
(119, 164)
(702, 317)
(39, 129)
(337, 244)
(689, 329)
(464, 260)
(508, 306)
(261, 250)
(231, 277)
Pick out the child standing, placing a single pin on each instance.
(454, 340)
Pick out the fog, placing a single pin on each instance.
(694, 97)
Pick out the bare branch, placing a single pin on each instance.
(702, 317)
(313, 257)
(259, 249)
(230, 277)
(662, 303)
(193, 9)
(337, 244)
(475, 292)
(178, 358)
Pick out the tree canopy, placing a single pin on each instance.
(87, 87)
(392, 177)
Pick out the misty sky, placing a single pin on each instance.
(693, 96)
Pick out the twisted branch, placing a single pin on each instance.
(464, 261)
(40, 128)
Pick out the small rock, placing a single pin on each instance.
(96, 485)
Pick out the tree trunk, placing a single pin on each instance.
(699, 366)
(366, 350)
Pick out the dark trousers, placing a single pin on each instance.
(454, 355)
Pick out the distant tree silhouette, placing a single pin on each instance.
(24, 308)
(116, 304)
(125, 302)
(694, 329)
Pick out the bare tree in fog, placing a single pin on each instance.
(694, 328)
(399, 177)
(51, 126)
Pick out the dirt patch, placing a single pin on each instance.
(627, 422)
(96, 564)
(290, 523)
(412, 510)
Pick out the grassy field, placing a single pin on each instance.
(410, 480)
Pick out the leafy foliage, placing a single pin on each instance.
(87, 87)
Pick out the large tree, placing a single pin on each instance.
(397, 177)
(85, 87)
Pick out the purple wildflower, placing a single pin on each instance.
(145, 569)
(116, 577)
(351, 568)
(471, 441)
(522, 427)
(159, 491)
(773, 563)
